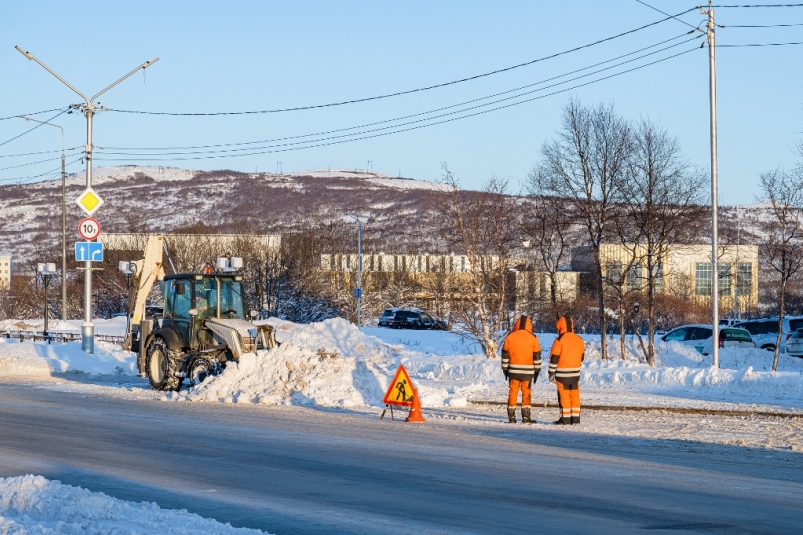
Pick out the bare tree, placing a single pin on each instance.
(481, 225)
(587, 158)
(662, 197)
(550, 227)
(782, 246)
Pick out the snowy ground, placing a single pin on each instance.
(35, 505)
(334, 364)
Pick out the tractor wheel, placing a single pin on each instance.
(161, 366)
(200, 368)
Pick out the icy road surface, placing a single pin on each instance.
(328, 471)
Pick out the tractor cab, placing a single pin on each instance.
(190, 300)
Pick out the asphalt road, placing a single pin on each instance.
(288, 470)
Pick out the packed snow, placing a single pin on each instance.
(335, 364)
(35, 505)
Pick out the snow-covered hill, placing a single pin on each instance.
(160, 199)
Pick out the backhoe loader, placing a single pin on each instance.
(203, 324)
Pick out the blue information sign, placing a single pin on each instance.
(88, 251)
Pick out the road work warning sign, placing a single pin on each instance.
(400, 391)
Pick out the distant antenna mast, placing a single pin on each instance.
(279, 167)
(370, 166)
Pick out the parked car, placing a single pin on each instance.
(794, 344)
(701, 337)
(765, 330)
(406, 318)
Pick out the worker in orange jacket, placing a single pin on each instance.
(521, 363)
(565, 361)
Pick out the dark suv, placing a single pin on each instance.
(402, 318)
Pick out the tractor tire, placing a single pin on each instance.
(161, 365)
(200, 368)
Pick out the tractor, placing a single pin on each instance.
(202, 325)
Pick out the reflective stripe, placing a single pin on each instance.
(521, 367)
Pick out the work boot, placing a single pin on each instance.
(562, 421)
(525, 416)
(511, 416)
(575, 420)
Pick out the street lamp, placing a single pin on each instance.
(45, 272)
(128, 269)
(63, 219)
(89, 108)
(358, 289)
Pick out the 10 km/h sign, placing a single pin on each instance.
(89, 229)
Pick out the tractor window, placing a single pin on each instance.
(206, 298)
(231, 299)
(181, 306)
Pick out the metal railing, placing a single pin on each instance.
(40, 336)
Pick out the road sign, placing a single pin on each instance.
(89, 228)
(357, 293)
(89, 201)
(400, 391)
(89, 251)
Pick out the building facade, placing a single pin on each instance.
(683, 271)
(5, 272)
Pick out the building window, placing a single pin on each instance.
(744, 279)
(659, 277)
(702, 278)
(613, 272)
(724, 278)
(634, 278)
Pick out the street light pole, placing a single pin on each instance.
(359, 269)
(712, 85)
(63, 219)
(46, 270)
(89, 108)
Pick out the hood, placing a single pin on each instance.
(564, 325)
(525, 323)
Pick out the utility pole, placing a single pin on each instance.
(358, 291)
(89, 108)
(712, 85)
(63, 220)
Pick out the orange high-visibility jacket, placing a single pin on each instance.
(566, 356)
(521, 352)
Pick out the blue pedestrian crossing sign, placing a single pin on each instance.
(357, 293)
(89, 251)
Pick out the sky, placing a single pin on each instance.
(266, 55)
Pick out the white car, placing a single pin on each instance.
(700, 337)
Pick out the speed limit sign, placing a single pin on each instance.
(89, 228)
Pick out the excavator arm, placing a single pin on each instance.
(149, 270)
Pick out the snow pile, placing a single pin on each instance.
(53, 325)
(330, 363)
(40, 359)
(743, 375)
(35, 505)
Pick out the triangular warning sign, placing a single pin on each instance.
(400, 391)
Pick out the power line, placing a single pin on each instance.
(34, 128)
(759, 44)
(31, 177)
(758, 25)
(34, 163)
(28, 114)
(420, 126)
(665, 13)
(318, 134)
(417, 90)
(759, 5)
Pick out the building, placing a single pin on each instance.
(684, 271)
(5, 272)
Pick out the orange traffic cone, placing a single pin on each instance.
(415, 409)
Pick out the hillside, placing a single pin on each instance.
(398, 210)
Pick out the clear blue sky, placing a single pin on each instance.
(239, 56)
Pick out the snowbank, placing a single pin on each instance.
(39, 359)
(35, 505)
(330, 363)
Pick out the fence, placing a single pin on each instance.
(57, 337)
